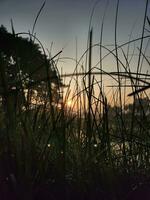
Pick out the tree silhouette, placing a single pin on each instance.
(23, 64)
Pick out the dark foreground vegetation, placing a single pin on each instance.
(95, 149)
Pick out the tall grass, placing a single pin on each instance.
(97, 148)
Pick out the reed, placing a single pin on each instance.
(96, 148)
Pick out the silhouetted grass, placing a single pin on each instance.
(96, 148)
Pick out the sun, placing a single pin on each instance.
(69, 103)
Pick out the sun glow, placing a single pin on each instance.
(69, 103)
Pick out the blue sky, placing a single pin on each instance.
(62, 21)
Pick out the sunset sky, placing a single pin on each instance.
(62, 21)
